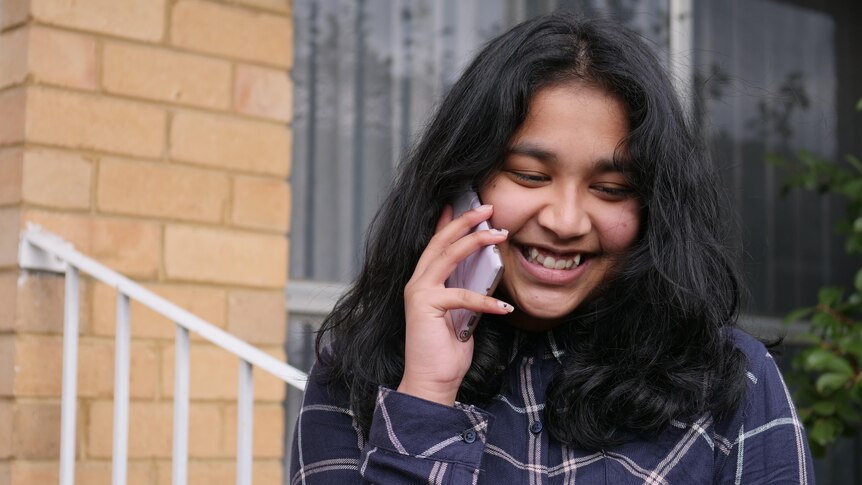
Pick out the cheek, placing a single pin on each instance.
(621, 232)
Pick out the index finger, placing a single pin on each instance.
(450, 230)
(445, 218)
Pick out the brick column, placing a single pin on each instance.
(154, 135)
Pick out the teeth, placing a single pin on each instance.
(533, 255)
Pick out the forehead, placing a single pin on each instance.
(572, 123)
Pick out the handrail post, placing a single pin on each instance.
(244, 424)
(70, 378)
(122, 351)
(181, 407)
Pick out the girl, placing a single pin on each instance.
(608, 354)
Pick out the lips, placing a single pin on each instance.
(551, 260)
(551, 267)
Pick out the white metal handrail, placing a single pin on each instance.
(44, 251)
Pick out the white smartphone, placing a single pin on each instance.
(479, 272)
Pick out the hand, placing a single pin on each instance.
(435, 361)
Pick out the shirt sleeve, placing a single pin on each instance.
(327, 442)
(411, 441)
(417, 441)
(768, 444)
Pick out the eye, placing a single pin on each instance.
(528, 178)
(613, 191)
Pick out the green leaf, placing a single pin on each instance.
(798, 314)
(851, 346)
(824, 431)
(855, 162)
(807, 337)
(847, 412)
(824, 321)
(824, 360)
(857, 281)
(824, 408)
(859, 105)
(831, 381)
(830, 295)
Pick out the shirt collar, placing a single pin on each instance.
(543, 345)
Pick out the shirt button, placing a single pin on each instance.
(468, 436)
(536, 427)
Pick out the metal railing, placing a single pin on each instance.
(44, 251)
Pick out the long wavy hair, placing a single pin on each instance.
(652, 345)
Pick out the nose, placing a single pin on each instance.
(565, 214)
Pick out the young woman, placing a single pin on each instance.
(608, 354)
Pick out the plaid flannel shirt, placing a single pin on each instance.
(415, 441)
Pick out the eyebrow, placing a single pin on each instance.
(602, 165)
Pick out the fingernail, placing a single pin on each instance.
(483, 208)
(499, 231)
(505, 306)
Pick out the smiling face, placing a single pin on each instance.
(569, 211)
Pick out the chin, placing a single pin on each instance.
(538, 318)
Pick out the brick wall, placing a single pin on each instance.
(154, 135)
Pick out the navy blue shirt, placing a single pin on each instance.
(416, 441)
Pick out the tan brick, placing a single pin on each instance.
(7, 365)
(206, 425)
(9, 235)
(39, 366)
(62, 58)
(89, 122)
(30, 472)
(7, 419)
(214, 374)
(163, 75)
(56, 179)
(99, 473)
(37, 430)
(257, 316)
(268, 432)
(11, 173)
(150, 424)
(127, 246)
(226, 142)
(8, 297)
(161, 190)
(268, 472)
(261, 203)
(96, 369)
(12, 123)
(205, 302)
(40, 302)
(223, 472)
(14, 12)
(13, 56)
(219, 256)
(264, 92)
(137, 19)
(130, 247)
(252, 36)
(282, 6)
